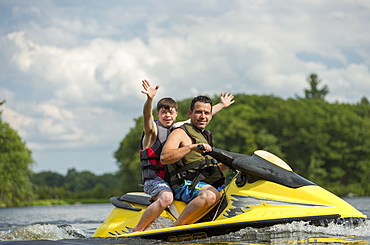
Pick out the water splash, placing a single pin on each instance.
(361, 228)
(43, 232)
(300, 232)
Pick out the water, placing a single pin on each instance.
(75, 224)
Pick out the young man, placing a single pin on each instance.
(154, 137)
(200, 193)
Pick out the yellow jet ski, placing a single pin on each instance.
(264, 192)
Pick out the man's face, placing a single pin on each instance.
(167, 116)
(201, 115)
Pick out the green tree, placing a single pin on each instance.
(15, 162)
(80, 181)
(111, 184)
(48, 178)
(314, 92)
(45, 192)
(75, 185)
(99, 191)
(364, 101)
(128, 159)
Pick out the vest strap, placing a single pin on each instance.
(150, 158)
(153, 167)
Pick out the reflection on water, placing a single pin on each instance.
(71, 224)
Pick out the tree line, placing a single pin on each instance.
(327, 143)
(75, 185)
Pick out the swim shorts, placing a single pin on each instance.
(156, 185)
(184, 194)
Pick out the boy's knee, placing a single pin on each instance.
(166, 198)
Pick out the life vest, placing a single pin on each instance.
(150, 157)
(196, 167)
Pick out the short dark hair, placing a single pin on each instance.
(200, 98)
(166, 103)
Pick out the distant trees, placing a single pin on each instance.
(76, 185)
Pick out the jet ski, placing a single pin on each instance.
(265, 191)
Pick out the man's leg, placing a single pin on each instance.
(199, 206)
(162, 201)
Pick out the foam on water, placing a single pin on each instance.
(292, 233)
(298, 232)
(43, 232)
(332, 229)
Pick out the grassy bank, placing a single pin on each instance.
(68, 201)
(59, 202)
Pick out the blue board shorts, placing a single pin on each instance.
(184, 194)
(156, 185)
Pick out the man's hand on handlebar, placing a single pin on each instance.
(203, 148)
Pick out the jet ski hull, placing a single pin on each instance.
(262, 194)
(241, 208)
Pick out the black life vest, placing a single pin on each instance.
(150, 157)
(195, 166)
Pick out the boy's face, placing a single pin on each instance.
(167, 116)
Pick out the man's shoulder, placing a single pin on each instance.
(178, 133)
(178, 130)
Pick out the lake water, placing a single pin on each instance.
(75, 224)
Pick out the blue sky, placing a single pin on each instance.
(71, 71)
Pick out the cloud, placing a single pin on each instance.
(71, 72)
(18, 120)
(66, 95)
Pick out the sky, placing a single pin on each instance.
(71, 70)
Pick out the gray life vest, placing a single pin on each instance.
(150, 157)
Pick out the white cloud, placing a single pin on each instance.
(55, 112)
(75, 70)
(18, 121)
(349, 84)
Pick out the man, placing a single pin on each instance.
(154, 137)
(201, 192)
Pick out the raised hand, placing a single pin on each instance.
(227, 99)
(149, 90)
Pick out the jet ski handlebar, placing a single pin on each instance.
(222, 156)
(258, 167)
